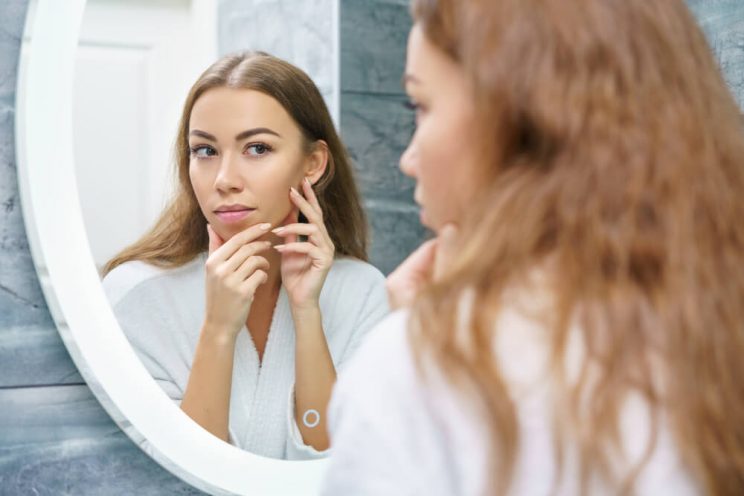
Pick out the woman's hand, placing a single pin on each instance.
(234, 271)
(305, 264)
(421, 268)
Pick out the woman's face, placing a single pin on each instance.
(440, 156)
(246, 152)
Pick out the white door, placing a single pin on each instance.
(136, 61)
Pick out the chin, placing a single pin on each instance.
(426, 220)
(227, 231)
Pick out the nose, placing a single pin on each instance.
(228, 175)
(409, 159)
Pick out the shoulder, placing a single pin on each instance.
(351, 270)
(354, 282)
(135, 276)
(387, 360)
(128, 276)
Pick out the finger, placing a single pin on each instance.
(302, 247)
(243, 237)
(215, 241)
(250, 285)
(305, 207)
(311, 230)
(310, 195)
(445, 253)
(405, 282)
(420, 263)
(251, 265)
(244, 252)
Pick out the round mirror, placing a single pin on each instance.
(49, 185)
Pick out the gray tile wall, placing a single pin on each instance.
(54, 437)
(723, 23)
(375, 125)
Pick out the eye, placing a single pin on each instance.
(414, 106)
(203, 151)
(258, 149)
(411, 105)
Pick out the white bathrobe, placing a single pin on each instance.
(162, 311)
(393, 432)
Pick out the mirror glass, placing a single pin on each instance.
(135, 64)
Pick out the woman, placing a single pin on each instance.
(251, 290)
(577, 326)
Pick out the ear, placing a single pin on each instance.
(317, 161)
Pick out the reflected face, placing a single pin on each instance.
(246, 152)
(440, 156)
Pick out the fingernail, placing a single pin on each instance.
(291, 189)
(278, 230)
(307, 181)
(279, 247)
(265, 226)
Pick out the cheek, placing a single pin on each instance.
(437, 159)
(197, 184)
(443, 171)
(274, 192)
(276, 184)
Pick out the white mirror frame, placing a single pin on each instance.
(74, 294)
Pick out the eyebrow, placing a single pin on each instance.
(240, 136)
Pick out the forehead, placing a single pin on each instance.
(232, 109)
(425, 62)
(417, 44)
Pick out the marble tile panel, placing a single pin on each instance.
(31, 351)
(723, 23)
(376, 130)
(373, 45)
(298, 31)
(59, 441)
(11, 31)
(396, 233)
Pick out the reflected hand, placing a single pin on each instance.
(422, 267)
(305, 264)
(234, 271)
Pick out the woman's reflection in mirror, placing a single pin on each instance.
(252, 289)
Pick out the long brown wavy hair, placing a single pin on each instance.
(613, 154)
(180, 233)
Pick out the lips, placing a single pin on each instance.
(233, 213)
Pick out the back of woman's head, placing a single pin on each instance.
(180, 233)
(613, 153)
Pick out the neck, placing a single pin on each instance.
(274, 281)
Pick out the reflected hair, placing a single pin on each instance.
(180, 234)
(613, 159)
